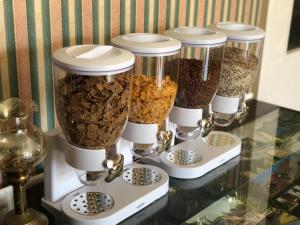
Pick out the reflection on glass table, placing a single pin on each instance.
(267, 199)
(259, 187)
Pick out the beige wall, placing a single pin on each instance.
(279, 81)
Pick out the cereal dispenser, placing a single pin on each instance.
(154, 86)
(92, 92)
(84, 176)
(241, 63)
(198, 79)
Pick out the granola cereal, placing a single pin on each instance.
(239, 70)
(93, 110)
(150, 104)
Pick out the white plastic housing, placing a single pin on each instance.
(141, 133)
(85, 159)
(147, 43)
(93, 59)
(228, 105)
(185, 117)
(197, 36)
(239, 31)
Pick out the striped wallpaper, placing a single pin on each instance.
(30, 30)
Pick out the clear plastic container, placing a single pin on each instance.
(241, 63)
(92, 95)
(154, 86)
(199, 75)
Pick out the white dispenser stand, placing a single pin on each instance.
(194, 158)
(139, 186)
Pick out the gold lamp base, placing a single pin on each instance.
(29, 217)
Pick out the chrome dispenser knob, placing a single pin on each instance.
(165, 137)
(115, 168)
(242, 113)
(207, 125)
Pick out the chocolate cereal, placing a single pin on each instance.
(239, 70)
(193, 90)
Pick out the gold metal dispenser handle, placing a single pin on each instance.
(165, 137)
(115, 167)
(207, 125)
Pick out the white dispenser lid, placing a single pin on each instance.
(93, 59)
(147, 44)
(239, 31)
(197, 36)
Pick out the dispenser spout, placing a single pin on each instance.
(242, 113)
(115, 167)
(243, 110)
(165, 137)
(207, 124)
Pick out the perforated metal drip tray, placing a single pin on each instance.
(91, 203)
(184, 157)
(141, 176)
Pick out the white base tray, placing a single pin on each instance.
(128, 199)
(212, 156)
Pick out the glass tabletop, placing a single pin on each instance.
(261, 186)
